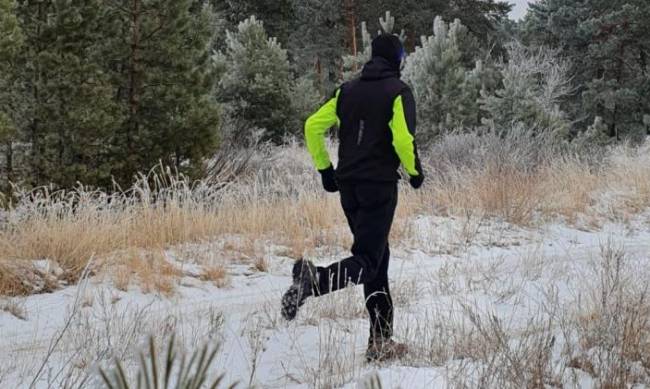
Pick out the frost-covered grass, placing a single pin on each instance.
(520, 264)
(528, 180)
(277, 198)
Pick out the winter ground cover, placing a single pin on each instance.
(515, 267)
(508, 307)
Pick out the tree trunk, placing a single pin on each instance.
(614, 129)
(61, 144)
(351, 23)
(34, 127)
(9, 167)
(319, 74)
(134, 68)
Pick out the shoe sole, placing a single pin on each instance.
(290, 303)
(293, 298)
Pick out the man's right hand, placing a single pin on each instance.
(416, 181)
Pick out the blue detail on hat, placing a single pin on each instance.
(402, 54)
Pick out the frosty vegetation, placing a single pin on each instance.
(156, 191)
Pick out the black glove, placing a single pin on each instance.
(416, 181)
(329, 179)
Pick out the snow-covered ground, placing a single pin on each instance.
(474, 299)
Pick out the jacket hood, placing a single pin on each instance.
(380, 68)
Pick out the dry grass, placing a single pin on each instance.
(630, 181)
(524, 180)
(218, 275)
(11, 280)
(518, 179)
(151, 270)
(573, 191)
(496, 191)
(22, 277)
(602, 332)
(612, 323)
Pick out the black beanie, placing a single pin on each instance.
(389, 47)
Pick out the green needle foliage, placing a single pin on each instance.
(11, 40)
(608, 44)
(445, 85)
(96, 92)
(256, 81)
(177, 372)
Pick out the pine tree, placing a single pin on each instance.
(11, 40)
(305, 99)
(10, 33)
(324, 31)
(534, 85)
(353, 63)
(317, 41)
(164, 79)
(445, 89)
(70, 113)
(256, 82)
(481, 17)
(277, 15)
(31, 72)
(608, 43)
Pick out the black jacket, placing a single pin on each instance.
(365, 107)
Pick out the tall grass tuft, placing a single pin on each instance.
(177, 372)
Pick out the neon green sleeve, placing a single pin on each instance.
(315, 130)
(403, 140)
